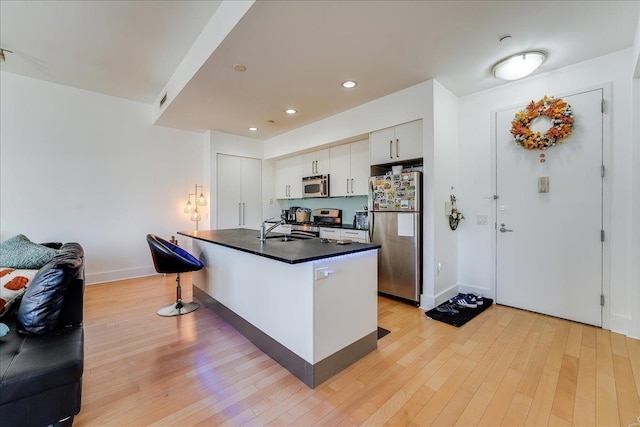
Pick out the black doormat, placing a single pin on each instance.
(382, 332)
(463, 316)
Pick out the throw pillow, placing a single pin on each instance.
(43, 300)
(20, 252)
(13, 284)
(4, 330)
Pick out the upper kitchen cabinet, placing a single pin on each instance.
(349, 169)
(239, 189)
(289, 178)
(396, 144)
(315, 163)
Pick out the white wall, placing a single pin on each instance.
(634, 329)
(476, 244)
(445, 150)
(85, 167)
(635, 255)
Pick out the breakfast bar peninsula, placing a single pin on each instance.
(310, 304)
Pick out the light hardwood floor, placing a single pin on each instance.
(505, 367)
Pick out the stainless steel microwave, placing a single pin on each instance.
(315, 186)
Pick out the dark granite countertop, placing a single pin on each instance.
(291, 252)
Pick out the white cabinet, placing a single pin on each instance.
(349, 172)
(359, 236)
(330, 233)
(396, 144)
(239, 190)
(289, 178)
(315, 163)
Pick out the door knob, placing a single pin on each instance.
(504, 230)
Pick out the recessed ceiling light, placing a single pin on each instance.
(290, 111)
(519, 65)
(239, 67)
(349, 84)
(253, 129)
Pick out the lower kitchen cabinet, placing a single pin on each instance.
(239, 189)
(360, 236)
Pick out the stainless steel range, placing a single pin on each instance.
(325, 217)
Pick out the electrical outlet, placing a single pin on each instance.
(322, 273)
(483, 219)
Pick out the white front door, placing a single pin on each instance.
(549, 249)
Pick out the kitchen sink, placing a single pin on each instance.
(287, 237)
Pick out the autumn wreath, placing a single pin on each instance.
(561, 117)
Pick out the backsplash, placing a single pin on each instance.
(348, 205)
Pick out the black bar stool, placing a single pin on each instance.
(169, 258)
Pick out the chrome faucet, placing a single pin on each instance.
(264, 230)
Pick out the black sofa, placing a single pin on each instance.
(41, 364)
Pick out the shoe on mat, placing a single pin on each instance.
(463, 300)
(478, 298)
(447, 308)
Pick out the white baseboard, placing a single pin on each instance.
(619, 324)
(428, 302)
(112, 276)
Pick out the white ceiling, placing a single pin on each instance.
(298, 52)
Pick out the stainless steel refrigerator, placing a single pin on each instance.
(395, 221)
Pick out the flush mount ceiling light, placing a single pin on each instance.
(239, 67)
(519, 65)
(290, 111)
(349, 84)
(253, 129)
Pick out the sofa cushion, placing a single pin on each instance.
(20, 252)
(13, 284)
(29, 365)
(44, 298)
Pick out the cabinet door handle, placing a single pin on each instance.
(239, 213)
(243, 214)
(351, 185)
(391, 149)
(397, 152)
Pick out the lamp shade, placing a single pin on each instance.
(195, 216)
(188, 208)
(518, 66)
(201, 201)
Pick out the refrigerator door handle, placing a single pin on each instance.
(372, 223)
